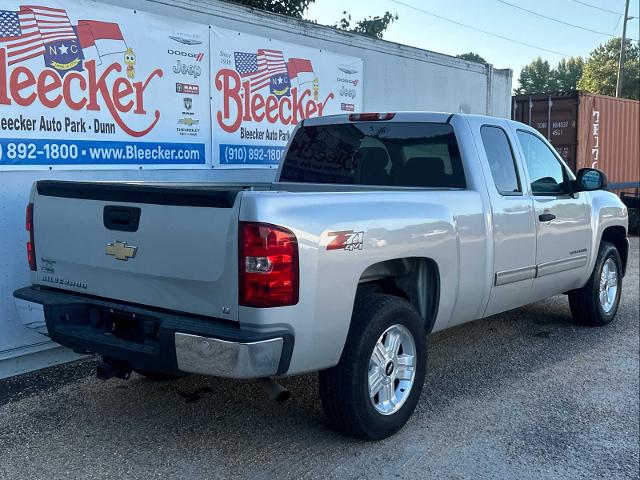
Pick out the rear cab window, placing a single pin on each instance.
(501, 160)
(396, 154)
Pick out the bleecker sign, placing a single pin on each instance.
(247, 107)
(263, 87)
(82, 83)
(90, 91)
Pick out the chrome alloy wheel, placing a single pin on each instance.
(608, 285)
(392, 369)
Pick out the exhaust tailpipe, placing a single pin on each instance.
(273, 389)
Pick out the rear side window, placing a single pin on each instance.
(400, 154)
(501, 160)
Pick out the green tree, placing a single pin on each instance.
(471, 57)
(567, 73)
(537, 77)
(601, 70)
(292, 8)
(370, 26)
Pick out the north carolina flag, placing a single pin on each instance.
(300, 70)
(98, 39)
(87, 43)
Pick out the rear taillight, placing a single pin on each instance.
(370, 117)
(31, 245)
(268, 265)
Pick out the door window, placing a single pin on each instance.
(501, 161)
(547, 175)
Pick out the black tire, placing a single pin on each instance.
(586, 307)
(344, 389)
(157, 376)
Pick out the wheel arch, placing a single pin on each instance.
(617, 235)
(416, 279)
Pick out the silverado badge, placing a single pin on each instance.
(121, 250)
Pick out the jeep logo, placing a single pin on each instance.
(192, 70)
(196, 56)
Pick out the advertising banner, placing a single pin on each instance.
(83, 83)
(261, 88)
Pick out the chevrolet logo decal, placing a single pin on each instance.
(121, 250)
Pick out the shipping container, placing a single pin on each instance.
(588, 130)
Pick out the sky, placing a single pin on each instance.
(549, 39)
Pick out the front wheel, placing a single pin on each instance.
(597, 302)
(375, 387)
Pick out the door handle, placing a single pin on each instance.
(546, 217)
(124, 219)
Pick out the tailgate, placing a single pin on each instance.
(167, 246)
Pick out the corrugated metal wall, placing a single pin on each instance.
(609, 137)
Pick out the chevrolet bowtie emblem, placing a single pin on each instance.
(121, 250)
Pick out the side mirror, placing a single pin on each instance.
(588, 179)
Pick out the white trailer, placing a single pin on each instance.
(395, 77)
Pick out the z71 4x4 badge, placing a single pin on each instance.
(346, 240)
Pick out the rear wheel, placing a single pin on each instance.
(597, 302)
(374, 389)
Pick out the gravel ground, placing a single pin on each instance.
(526, 394)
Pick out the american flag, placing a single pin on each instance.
(260, 67)
(53, 23)
(20, 36)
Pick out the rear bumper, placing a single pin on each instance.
(223, 358)
(150, 339)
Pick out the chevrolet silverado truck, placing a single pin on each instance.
(380, 229)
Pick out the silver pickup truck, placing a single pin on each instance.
(380, 229)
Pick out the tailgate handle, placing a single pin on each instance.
(124, 219)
